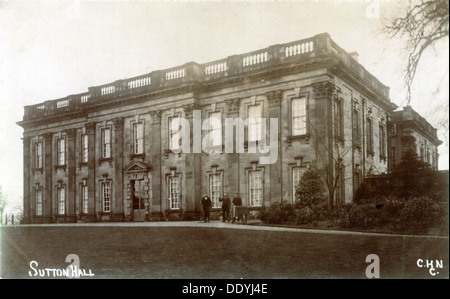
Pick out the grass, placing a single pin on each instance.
(187, 252)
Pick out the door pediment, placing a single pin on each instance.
(137, 166)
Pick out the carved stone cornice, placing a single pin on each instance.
(324, 89)
(233, 105)
(71, 133)
(90, 127)
(118, 123)
(48, 137)
(26, 141)
(274, 97)
(189, 108)
(156, 116)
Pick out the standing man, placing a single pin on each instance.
(206, 204)
(226, 205)
(237, 202)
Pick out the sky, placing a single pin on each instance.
(52, 49)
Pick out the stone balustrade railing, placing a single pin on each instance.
(256, 58)
(215, 67)
(139, 82)
(233, 65)
(107, 90)
(175, 74)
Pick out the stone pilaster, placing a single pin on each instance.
(274, 103)
(155, 157)
(27, 197)
(118, 202)
(233, 158)
(323, 131)
(193, 166)
(91, 132)
(47, 201)
(71, 174)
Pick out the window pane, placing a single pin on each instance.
(255, 181)
(298, 116)
(106, 140)
(85, 198)
(106, 192)
(215, 187)
(254, 128)
(138, 138)
(297, 173)
(39, 202)
(174, 192)
(39, 155)
(61, 151)
(61, 201)
(215, 129)
(85, 153)
(173, 130)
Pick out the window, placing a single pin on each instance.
(174, 192)
(369, 134)
(38, 154)
(84, 148)
(39, 202)
(106, 196)
(173, 131)
(106, 143)
(297, 173)
(382, 142)
(356, 127)
(215, 129)
(84, 197)
(254, 128)
(61, 193)
(61, 151)
(298, 116)
(215, 188)
(138, 133)
(338, 119)
(255, 188)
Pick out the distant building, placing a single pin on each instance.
(107, 154)
(413, 132)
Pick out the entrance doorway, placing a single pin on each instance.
(138, 200)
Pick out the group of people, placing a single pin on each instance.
(227, 206)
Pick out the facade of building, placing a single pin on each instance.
(110, 154)
(413, 132)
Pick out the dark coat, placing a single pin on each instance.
(237, 201)
(206, 202)
(226, 202)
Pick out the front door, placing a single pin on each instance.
(137, 191)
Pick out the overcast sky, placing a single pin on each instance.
(51, 49)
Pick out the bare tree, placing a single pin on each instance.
(3, 204)
(425, 22)
(332, 163)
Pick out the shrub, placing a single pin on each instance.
(390, 213)
(310, 190)
(277, 213)
(422, 213)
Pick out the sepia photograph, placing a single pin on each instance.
(224, 145)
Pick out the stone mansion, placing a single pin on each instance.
(108, 154)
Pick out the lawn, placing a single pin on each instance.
(205, 252)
